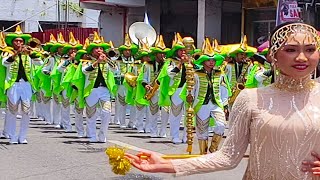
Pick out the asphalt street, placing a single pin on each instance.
(53, 154)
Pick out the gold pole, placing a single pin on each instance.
(242, 18)
(190, 111)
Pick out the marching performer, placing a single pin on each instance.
(126, 64)
(3, 97)
(146, 75)
(44, 84)
(177, 74)
(207, 98)
(56, 77)
(155, 95)
(256, 75)
(18, 84)
(99, 85)
(68, 68)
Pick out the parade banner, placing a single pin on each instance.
(288, 10)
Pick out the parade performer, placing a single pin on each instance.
(3, 97)
(145, 77)
(99, 85)
(177, 73)
(158, 93)
(68, 68)
(256, 75)
(44, 83)
(279, 122)
(126, 64)
(18, 84)
(207, 95)
(56, 51)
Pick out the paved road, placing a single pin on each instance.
(52, 154)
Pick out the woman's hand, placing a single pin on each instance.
(149, 161)
(312, 166)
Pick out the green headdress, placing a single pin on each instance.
(49, 44)
(208, 54)
(159, 46)
(3, 45)
(17, 34)
(82, 51)
(128, 45)
(73, 43)
(144, 49)
(242, 48)
(97, 42)
(61, 43)
(177, 44)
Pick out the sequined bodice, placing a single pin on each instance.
(282, 127)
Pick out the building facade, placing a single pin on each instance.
(39, 15)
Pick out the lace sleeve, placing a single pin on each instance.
(233, 149)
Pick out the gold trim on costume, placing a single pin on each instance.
(25, 107)
(65, 102)
(202, 125)
(77, 108)
(176, 109)
(154, 108)
(91, 111)
(139, 107)
(122, 100)
(13, 108)
(106, 105)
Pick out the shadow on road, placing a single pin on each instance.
(133, 176)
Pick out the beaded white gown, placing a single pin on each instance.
(282, 124)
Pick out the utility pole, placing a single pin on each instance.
(58, 13)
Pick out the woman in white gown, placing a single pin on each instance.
(281, 121)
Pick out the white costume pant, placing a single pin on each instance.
(176, 112)
(154, 114)
(56, 110)
(99, 95)
(78, 119)
(141, 112)
(121, 105)
(46, 105)
(18, 95)
(133, 115)
(203, 116)
(65, 112)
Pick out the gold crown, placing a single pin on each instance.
(127, 40)
(96, 38)
(216, 47)
(102, 39)
(61, 39)
(18, 30)
(52, 39)
(72, 40)
(207, 48)
(3, 43)
(144, 46)
(111, 44)
(86, 43)
(179, 40)
(244, 43)
(160, 43)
